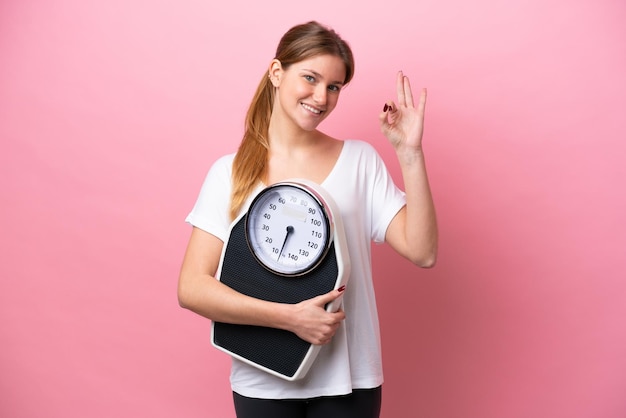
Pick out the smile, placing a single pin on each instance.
(311, 109)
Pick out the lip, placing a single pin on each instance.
(312, 109)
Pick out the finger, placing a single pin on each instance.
(407, 91)
(382, 116)
(330, 296)
(388, 116)
(421, 107)
(388, 106)
(324, 341)
(400, 89)
(338, 316)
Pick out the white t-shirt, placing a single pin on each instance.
(368, 200)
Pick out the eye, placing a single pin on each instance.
(334, 87)
(309, 78)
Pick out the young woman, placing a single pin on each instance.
(299, 90)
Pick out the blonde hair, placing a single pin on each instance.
(298, 43)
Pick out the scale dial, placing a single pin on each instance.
(288, 228)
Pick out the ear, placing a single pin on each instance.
(275, 72)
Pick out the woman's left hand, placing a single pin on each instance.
(403, 124)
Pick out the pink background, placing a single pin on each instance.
(111, 113)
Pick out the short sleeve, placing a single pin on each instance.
(211, 210)
(386, 200)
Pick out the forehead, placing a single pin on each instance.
(328, 66)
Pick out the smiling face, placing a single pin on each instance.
(307, 91)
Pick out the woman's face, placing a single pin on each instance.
(307, 91)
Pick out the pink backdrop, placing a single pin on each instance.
(111, 113)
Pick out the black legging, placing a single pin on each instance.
(361, 403)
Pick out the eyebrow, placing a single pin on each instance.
(315, 73)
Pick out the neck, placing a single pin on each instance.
(288, 135)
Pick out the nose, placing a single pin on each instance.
(319, 94)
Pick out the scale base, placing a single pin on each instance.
(276, 351)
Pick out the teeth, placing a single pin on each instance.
(311, 109)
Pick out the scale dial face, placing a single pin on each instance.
(288, 228)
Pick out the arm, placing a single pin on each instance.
(200, 292)
(413, 231)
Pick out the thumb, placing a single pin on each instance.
(382, 116)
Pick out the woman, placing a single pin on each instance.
(281, 141)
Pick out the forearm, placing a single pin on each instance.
(420, 227)
(200, 292)
(206, 296)
(308, 319)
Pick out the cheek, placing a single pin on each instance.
(333, 99)
(292, 93)
(301, 91)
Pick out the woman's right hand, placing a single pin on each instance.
(311, 321)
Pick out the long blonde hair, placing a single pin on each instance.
(299, 43)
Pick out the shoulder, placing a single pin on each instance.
(360, 150)
(225, 161)
(218, 176)
(223, 166)
(360, 146)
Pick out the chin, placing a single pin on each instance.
(311, 125)
(309, 128)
